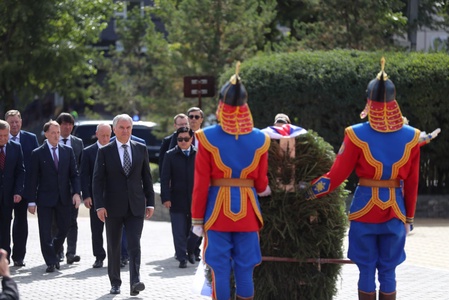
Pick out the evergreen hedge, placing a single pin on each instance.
(326, 91)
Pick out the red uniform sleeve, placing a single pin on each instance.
(261, 181)
(411, 185)
(203, 166)
(344, 164)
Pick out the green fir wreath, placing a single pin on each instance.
(298, 230)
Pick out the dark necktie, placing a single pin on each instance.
(186, 152)
(2, 158)
(126, 160)
(65, 141)
(55, 157)
(14, 138)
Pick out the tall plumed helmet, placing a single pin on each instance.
(233, 92)
(381, 89)
(381, 107)
(233, 112)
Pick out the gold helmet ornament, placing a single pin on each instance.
(381, 107)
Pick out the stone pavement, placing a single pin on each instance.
(425, 274)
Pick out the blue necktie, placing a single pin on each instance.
(186, 152)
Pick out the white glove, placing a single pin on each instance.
(428, 136)
(197, 230)
(435, 133)
(408, 228)
(265, 193)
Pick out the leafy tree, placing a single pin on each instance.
(207, 36)
(44, 46)
(138, 72)
(355, 24)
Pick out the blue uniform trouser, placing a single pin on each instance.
(232, 251)
(377, 246)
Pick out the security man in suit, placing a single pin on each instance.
(29, 142)
(103, 134)
(169, 142)
(66, 121)
(12, 177)
(124, 196)
(54, 186)
(176, 194)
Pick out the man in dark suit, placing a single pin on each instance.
(10, 290)
(12, 177)
(66, 121)
(124, 196)
(54, 186)
(124, 256)
(176, 194)
(103, 134)
(29, 142)
(169, 142)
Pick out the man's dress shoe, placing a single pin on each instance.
(19, 263)
(191, 258)
(97, 264)
(183, 264)
(50, 269)
(73, 258)
(136, 288)
(115, 289)
(57, 265)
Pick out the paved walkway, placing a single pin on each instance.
(425, 274)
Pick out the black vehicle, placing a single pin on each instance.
(85, 130)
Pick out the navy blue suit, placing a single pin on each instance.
(177, 187)
(52, 189)
(96, 225)
(12, 178)
(29, 142)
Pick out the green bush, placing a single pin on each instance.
(326, 91)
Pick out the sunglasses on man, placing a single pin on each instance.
(194, 116)
(186, 139)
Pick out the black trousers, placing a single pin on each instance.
(96, 229)
(133, 227)
(183, 237)
(51, 245)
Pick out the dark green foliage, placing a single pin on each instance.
(325, 91)
(300, 229)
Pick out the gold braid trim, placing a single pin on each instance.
(375, 201)
(367, 153)
(406, 156)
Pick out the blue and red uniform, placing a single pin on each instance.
(230, 214)
(377, 213)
